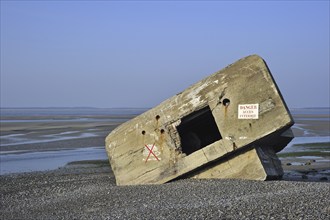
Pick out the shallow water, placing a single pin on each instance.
(47, 160)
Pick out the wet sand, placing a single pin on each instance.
(56, 135)
(87, 190)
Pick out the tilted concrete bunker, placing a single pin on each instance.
(228, 125)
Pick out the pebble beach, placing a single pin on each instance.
(86, 189)
(91, 193)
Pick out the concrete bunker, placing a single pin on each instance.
(152, 148)
(198, 130)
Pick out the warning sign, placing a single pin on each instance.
(248, 111)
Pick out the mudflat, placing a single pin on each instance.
(42, 135)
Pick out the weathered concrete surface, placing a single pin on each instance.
(202, 126)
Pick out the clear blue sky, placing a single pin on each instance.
(138, 53)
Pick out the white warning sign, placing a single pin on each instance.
(248, 111)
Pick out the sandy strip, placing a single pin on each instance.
(56, 145)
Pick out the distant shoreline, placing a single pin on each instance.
(76, 108)
(90, 107)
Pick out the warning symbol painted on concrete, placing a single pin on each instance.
(151, 152)
(248, 111)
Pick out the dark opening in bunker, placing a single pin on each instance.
(198, 130)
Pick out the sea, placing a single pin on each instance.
(16, 161)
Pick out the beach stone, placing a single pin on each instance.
(91, 193)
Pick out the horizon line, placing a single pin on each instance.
(90, 107)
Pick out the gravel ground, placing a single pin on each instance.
(90, 192)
